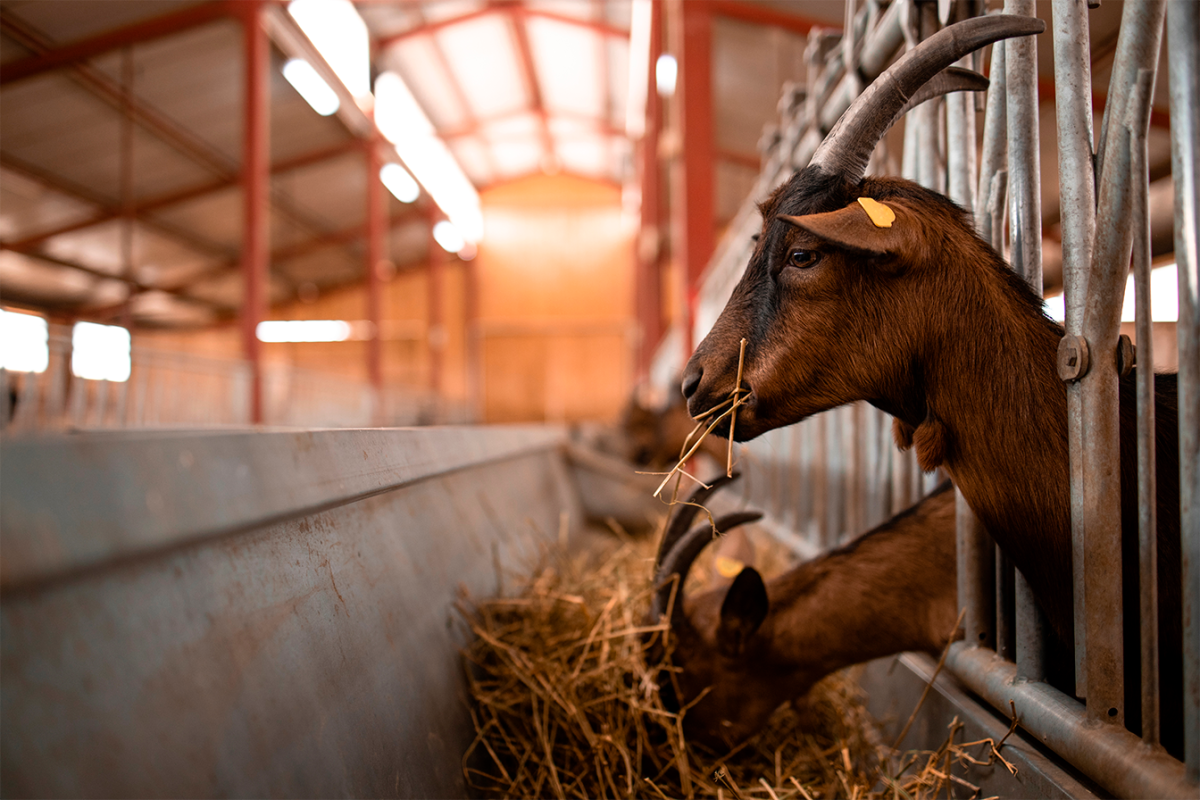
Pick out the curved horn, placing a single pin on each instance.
(951, 79)
(681, 557)
(848, 146)
(685, 512)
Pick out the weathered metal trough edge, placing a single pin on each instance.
(75, 501)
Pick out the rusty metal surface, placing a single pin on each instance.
(1108, 754)
(313, 657)
(70, 502)
(1183, 19)
(895, 684)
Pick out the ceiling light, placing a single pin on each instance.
(340, 35)
(316, 92)
(403, 123)
(445, 234)
(303, 330)
(666, 72)
(100, 352)
(399, 183)
(641, 18)
(24, 342)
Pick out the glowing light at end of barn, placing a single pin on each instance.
(448, 236)
(666, 72)
(308, 84)
(399, 183)
(403, 123)
(303, 330)
(1164, 298)
(100, 352)
(24, 342)
(341, 37)
(640, 21)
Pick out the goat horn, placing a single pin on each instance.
(847, 148)
(951, 79)
(685, 513)
(680, 558)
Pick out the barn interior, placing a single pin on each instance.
(284, 282)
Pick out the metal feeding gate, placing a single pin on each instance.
(837, 473)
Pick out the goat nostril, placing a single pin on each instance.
(691, 381)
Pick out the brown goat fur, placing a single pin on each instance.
(926, 322)
(744, 651)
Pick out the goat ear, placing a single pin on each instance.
(865, 225)
(743, 611)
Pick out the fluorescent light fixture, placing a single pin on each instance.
(1164, 298)
(666, 72)
(308, 84)
(100, 352)
(303, 330)
(24, 342)
(449, 237)
(641, 17)
(340, 36)
(403, 123)
(399, 183)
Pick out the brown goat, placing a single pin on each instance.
(925, 321)
(744, 651)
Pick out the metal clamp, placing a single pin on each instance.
(1073, 358)
(1126, 356)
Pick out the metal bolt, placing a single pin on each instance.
(1126, 356)
(1073, 361)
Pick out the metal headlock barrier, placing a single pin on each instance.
(837, 474)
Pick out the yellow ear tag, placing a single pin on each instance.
(881, 215)
(728, 567)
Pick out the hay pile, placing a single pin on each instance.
(565, 705)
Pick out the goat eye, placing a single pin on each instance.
(801, 259)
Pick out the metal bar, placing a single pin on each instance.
(127, 199)
(692, 33)
(649, 242)
(376, 223)
(147, 30)
(1147, 492)
(1183, 17)
(1073, 109)
(1006, 629)
(1108, 754)
(1141, 31)
(436, 332)
(256, 144)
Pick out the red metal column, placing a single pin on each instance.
(691, 36)
(255, 185)
(436, 330)
(376, 232)
(648, 283)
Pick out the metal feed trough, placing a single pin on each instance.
(837, 473)
(239, 613)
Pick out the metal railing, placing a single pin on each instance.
(836, 474)
(176, 389)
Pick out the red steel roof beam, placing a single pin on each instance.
(765, 15)
(691, 34)
(520, 21)
(91, 47)
(256, 177)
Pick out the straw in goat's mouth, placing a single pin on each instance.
(728, 409)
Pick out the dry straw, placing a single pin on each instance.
(565, 704)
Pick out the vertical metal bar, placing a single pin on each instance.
(1073, 110)
(692, 31)
(376, 229)
(128, 202)
(1137, 47)
(256, 145)
(1183, 16)
(1006, 631)
(648, 257)
(1147, 487)
(435, 336)
(1025, 230)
